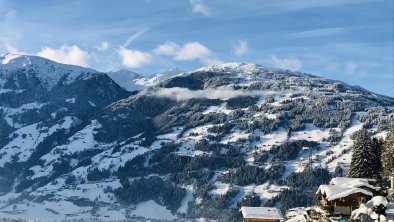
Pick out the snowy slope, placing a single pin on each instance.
(133, 81)
(93, 151)
(50, 72)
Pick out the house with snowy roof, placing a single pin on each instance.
(344, 194)
(261, 214)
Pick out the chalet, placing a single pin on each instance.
(261, 214)
(344, 194)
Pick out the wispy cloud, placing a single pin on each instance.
(223, 93)
(241, 47)
(10, 48)
(135, 36)
(318, 33)
(66, 54)
(134, 58)
(198, 7)
(293, 64)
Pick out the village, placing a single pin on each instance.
(343, 199)
(364, 193)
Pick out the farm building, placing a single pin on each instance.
(343, 194)
(261, 214)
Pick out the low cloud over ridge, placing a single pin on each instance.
(223, 93)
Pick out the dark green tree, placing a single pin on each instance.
(365, 161)
(388, 153)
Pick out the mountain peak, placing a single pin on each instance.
(233, 66)
(48, 71)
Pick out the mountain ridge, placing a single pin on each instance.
(191, 146)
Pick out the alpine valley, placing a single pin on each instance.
(76, 143)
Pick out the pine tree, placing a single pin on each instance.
(365, 161)
(388, 153)
(338, 172)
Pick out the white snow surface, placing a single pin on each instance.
(367, 209)
(334, 192)
(340, 187)
(151, 210)
(9, 112)
(133, 81)
(186, 200)
(48, 71)
(220, 188)
(28, 138)
(353, 182)
(311, 133)
(262, 213)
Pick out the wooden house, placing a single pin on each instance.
(343, 195)
(261, 214)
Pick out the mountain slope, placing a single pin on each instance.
(193, 146)
(41, 103)
(134, 81)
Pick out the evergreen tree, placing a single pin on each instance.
(388, 153)
(338, 172)
(365, 161)
(377, 150)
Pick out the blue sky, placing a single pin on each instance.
(348, 40)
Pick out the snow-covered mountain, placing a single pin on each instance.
(75, 144)
(49, 73)
(133, 81)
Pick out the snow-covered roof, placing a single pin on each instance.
(334, 192)
(262, 213)
(353, 182)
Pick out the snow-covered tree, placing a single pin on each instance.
(365, 161)
(388, 153)
(338, 172)
(373, 210)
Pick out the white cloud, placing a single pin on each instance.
(103, 46)
(134, 58)
(198, 7)
(10, 48)
(66, 54)
(222, 93)
(292, 64)
(241, 47)
(190, 51)
(168, 49)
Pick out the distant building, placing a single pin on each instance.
(261, 214)
(343, 194)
